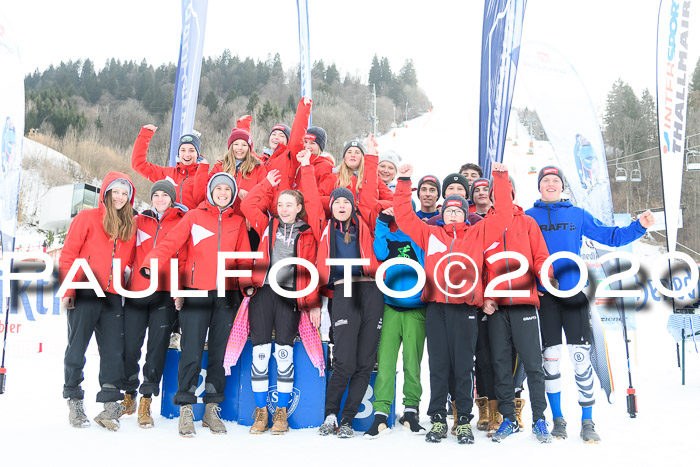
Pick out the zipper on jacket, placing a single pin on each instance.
(158, 228)
(219, 231)
(454, 236)
(111, 265)
(182, 184)
(505, 248)
(192, 275)
(270, 232)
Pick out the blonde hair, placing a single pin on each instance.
(345, 174)
(118, 224)
(247, 166)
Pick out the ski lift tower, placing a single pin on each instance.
(372, 111)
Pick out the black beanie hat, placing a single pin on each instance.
(455, 201)
(429, 179)
(455, 178)
(283, 128)
(354, 144)
(549, 170)
(342, 192)
(479, 182)
(166, 186)
(317, 134)
(190, 139)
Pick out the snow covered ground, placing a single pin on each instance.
(34, 428)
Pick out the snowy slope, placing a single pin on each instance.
(33, 415)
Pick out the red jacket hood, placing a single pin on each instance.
(109, 178)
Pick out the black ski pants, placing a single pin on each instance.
(484, 369)
(198, 315)
(268, 311)
(451, 331)
(357, 324)
(104, 317)
(157, 314)
(516, 326)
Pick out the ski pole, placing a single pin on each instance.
(3, 370)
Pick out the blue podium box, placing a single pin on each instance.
(307, 404)
(229, 407)
(365, 415)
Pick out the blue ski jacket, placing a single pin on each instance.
(563, 225)
(389, 245)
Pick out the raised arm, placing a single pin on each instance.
(500, 219)
(612, 236)
(408, 222)
(151, 172)
(299, 126)
(256, 204)
(316, 217)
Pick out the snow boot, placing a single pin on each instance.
(260, 425)
(483, 404)
(506, 429)
(109, 417)
(495, 418)
(76, 414)
(129, 403)
(212, 419)
(345, 429)
(559, 428)
(279, 422)
(539, 429)
(519, 405)
(145, 419)
(588, 433)
(411, 420)
(329, 427)
(185, 424)
(379, 427)
(465, 435)
(439, 430)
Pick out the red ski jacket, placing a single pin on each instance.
(440, 242)
(284, 158)
(204, 232)
(364, 224)
(181, 175)
(150, 232)
(384, 194)
(87, 239)
(255, 208)
(258, 175)
(524, 236)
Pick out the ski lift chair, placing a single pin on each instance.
(620, 175)
(692, 160)
(636, 174)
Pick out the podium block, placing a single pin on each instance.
(229, 407)
(365, 415)
(306, 407)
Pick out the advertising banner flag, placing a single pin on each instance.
(189, 68)
(673, 74)
(500, 48)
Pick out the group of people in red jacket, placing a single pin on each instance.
(293, 202)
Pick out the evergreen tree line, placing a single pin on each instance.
(109, 105)
(630, 132)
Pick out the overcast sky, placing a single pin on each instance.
(603, 39)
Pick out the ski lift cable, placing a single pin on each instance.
(655, 147)
(615, 162)
(678, 243)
